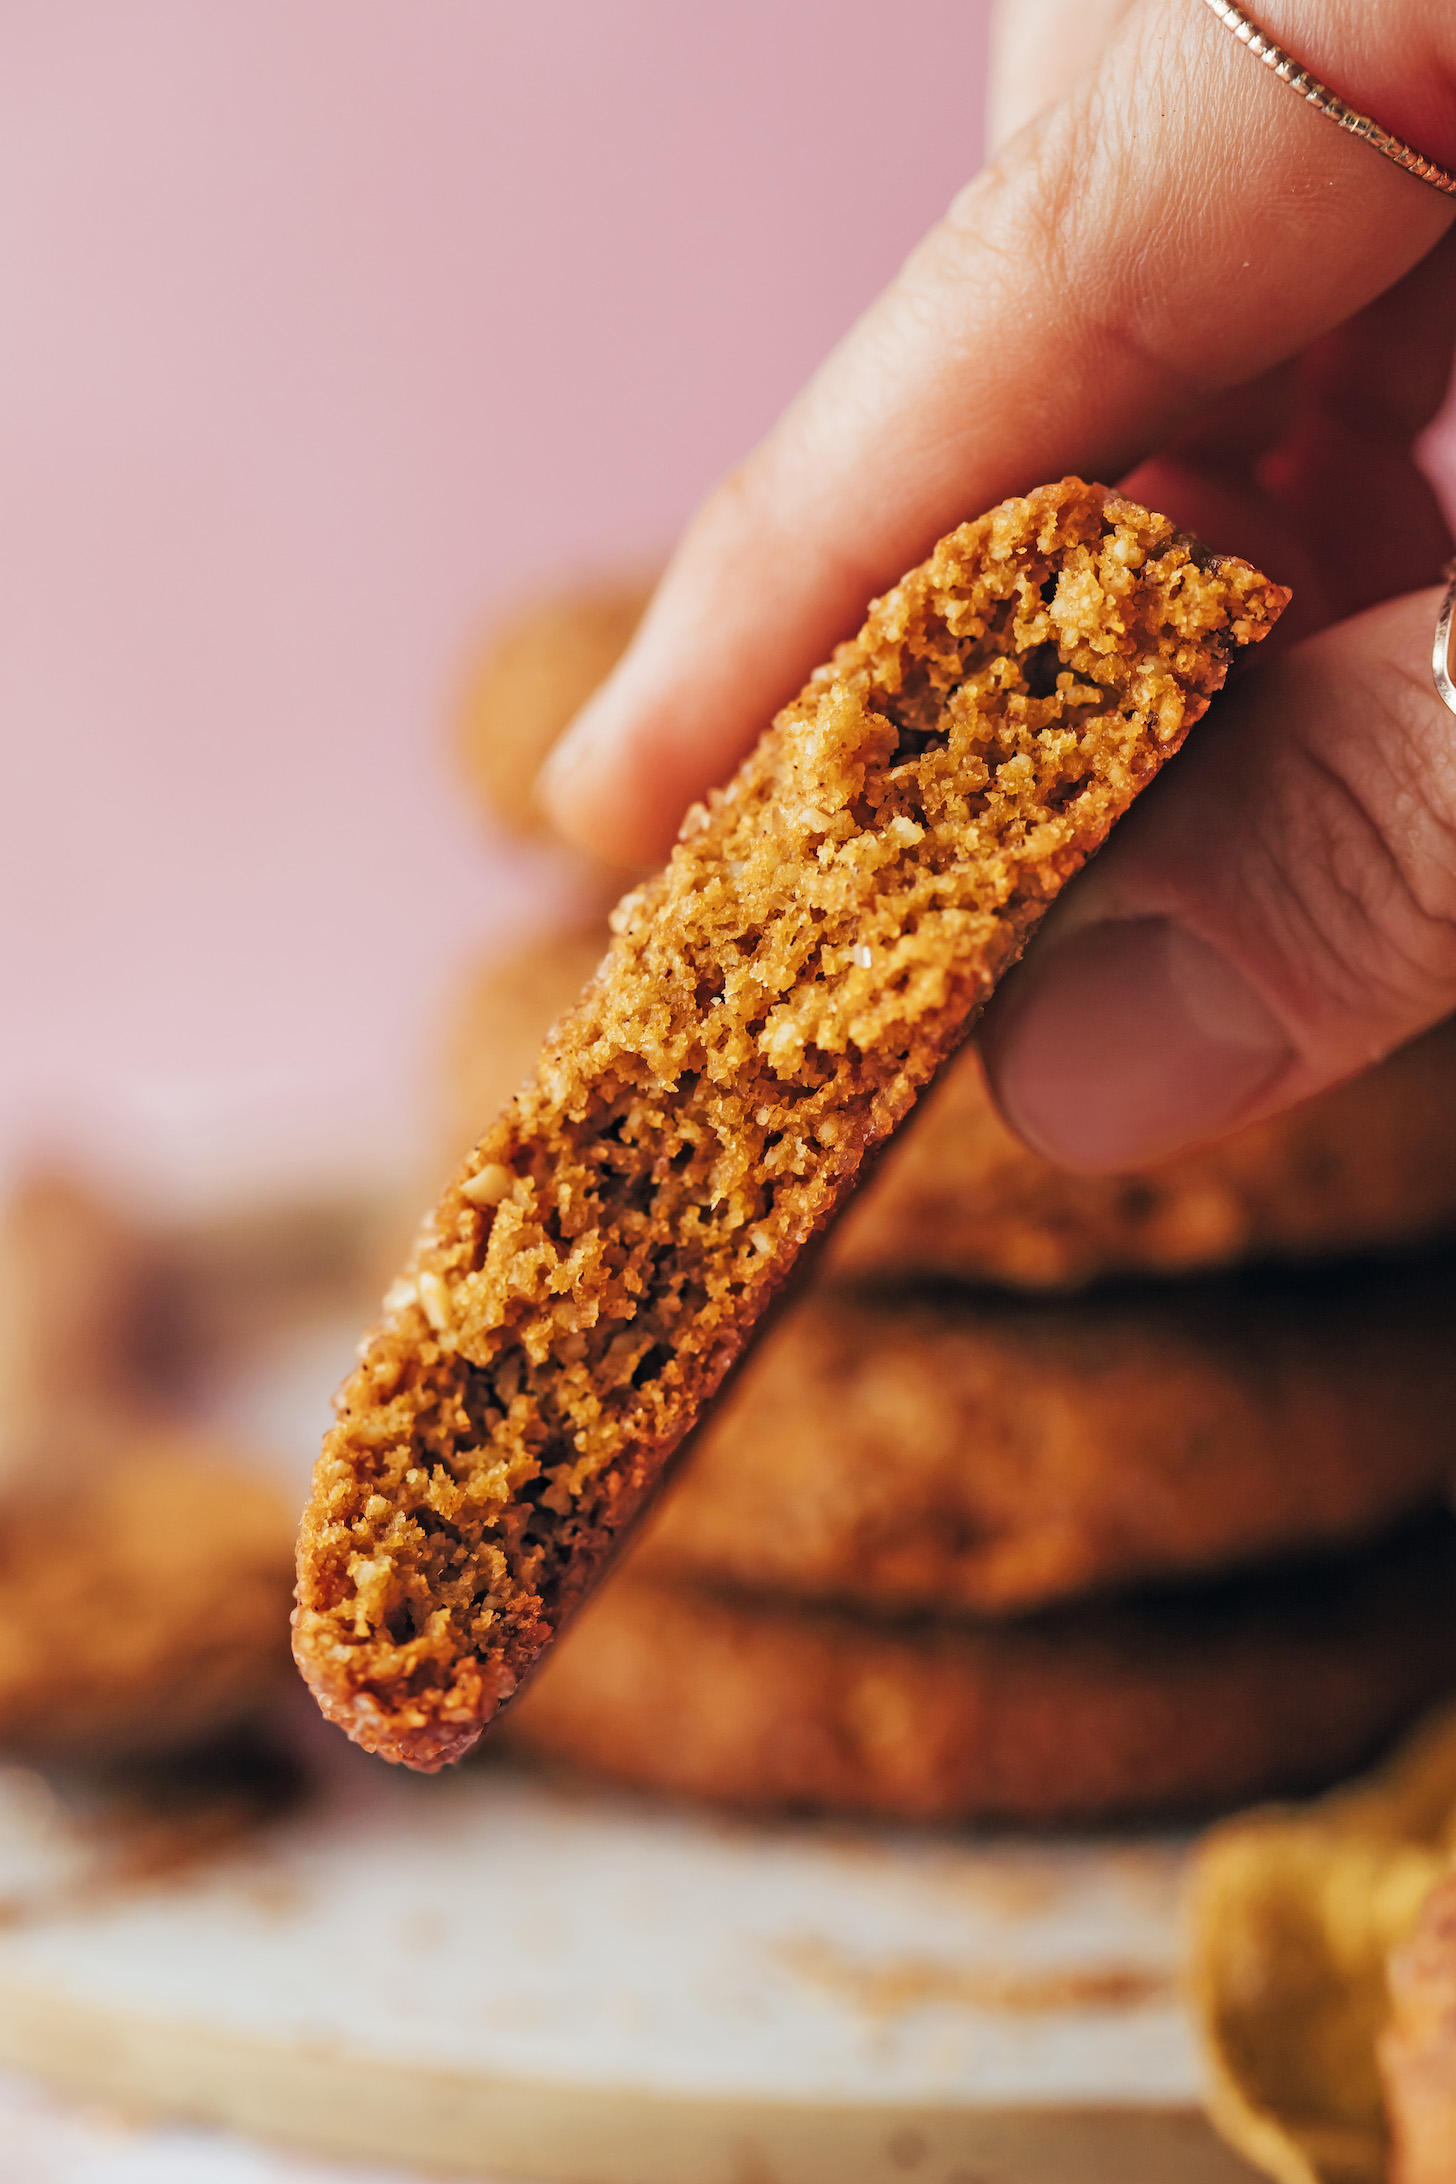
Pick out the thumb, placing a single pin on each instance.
(1278, 912)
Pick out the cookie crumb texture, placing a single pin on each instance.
(823, 936)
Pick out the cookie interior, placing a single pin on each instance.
(823, 936)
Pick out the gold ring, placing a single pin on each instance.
(1328, 102)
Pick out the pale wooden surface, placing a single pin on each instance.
(511, 1977)
(47, 2138)
(504, 1975)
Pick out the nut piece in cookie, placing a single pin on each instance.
(826, 932)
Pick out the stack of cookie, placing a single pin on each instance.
(1053, 1497)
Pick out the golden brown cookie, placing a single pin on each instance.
(144, 1574)
(537, 672)
(144, 1596)
(69, 1323)
(822, 938)
(1181, 1702)
(1369, 1165)
(992, 1455)
(1417, 2050)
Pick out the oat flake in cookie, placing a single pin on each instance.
(825, 933)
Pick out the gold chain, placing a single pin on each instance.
(1326, 101)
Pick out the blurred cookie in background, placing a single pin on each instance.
(530, 678)
(145, 1588)
(957, 1450)
(145, 1571)
(1369, 1165)
(1185, 1700)
(74, 1283)
(497, 1025)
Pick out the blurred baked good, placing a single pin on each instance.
(145, 1574)
(71, 1275)
(994, 1454)
(144, 1595)
(1370, 1165)
(1188, 1700)
(1293, 1917)
(533, 675)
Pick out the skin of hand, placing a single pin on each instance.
(1178, 274)
(1038, 50)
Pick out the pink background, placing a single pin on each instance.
(328, 326)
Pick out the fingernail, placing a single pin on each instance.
(1127, 1041)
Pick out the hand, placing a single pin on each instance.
(1180, 267)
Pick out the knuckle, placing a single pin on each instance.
(1369, 903)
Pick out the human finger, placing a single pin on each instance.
(1313, 471)
(1082, 298)
(1274, 915)
(1037, 50)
